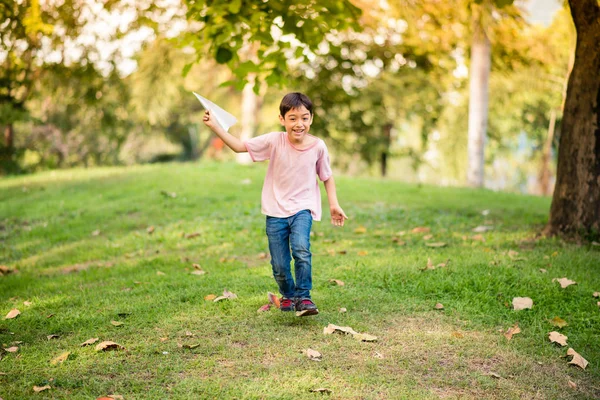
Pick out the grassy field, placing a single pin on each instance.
(95, 248)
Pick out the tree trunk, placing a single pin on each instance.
(387, 142)
(544, 177)
(575, 209)
(9, 138)
(248, 118)
(479, 74)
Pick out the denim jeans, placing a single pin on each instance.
(285, 233)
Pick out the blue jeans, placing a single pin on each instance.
(285, 233)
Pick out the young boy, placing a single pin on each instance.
(291, 199)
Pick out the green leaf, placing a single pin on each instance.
(186, 69)
(224, 55)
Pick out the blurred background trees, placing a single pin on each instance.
(90, 82)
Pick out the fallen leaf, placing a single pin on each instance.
(49, 337)
(513, 330)
(108, 345)
(458, 335)
(342, 310)
(337, 282)
(168, 194)
(189, 334)
(482, 229)
(116, 323)
(362, 253)
(364, 337)
(191, 346)
(4, 270)
(210, 297)
(12, 349)
(150, 230)
(429, 265)
(556, 337)
(558, 322)
(38, 389)
(226, 295)
(96, 232)
(513, 254)
(543, 271)
(273, 299)
(27, 303)
(263, 256)
(420, 229)
(198, 272)
(596, 294)
(160, 273)
(564, 282)
(14, 313)
(444, 264)
(522, 303)
(439, 306)
(572, 385)
(494, 375)
(360, 229)
(331, 328)
(427, 237)
(313, 354)
(479, 238)
(577, 359)
(378, 355)
(321, 390)
(192, 235)
(89, 342)
(435, 244)
(61, 358)
(264, 308)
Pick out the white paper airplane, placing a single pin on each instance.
(224, 119)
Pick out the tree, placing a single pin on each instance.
(575, 209)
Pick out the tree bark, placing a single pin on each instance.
(479, 73)
(575, 209)
(9, 138)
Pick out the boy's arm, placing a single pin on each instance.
(233, 142)
(337, 214)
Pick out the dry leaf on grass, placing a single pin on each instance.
(210, 297)
(191, 346)
(513, 330)
(150, 230)
(111, 397)
(543, 271)
(378, 355)
(160, 273)
(420, 229)
(364, 337)
(336, 282)
(556, 337)
(313, 355)
(192, 235)
(360, 229)
(27, 303)
(558, 322)
(116, 323)
(362, 253)
(564, 282)
(89, 342)
(482, 229)
(522, 303)
(53, 336)
(427, 237)
(96, 232)
(494, 375)
(429, 265)
(264, 308)
(435, 244)
(273, 299)
(596, 294)
(263, 256)
(577, 359)
(198, 272)
(12, 349)
(479, 238)
(342, 310)
(321, 390)
(439, 306)
(61, 358)
(227, 295)
(108, 345)
(14, 313)
(38, 389)
(572, 385)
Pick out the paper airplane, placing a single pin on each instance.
(224, 119)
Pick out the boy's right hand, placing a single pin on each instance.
(210, 121)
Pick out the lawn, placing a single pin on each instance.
(109, 253)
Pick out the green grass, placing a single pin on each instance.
(85, 281)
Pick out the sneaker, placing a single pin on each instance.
(286, 304)
(305, 307)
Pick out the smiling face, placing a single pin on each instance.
(297, 123)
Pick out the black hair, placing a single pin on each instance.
(294, 100)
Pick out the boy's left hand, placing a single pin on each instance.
(337, 216)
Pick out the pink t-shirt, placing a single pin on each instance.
(291, 183)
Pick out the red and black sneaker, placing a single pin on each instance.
(286, 304)
(305, 307)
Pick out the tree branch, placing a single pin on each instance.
(586, 14)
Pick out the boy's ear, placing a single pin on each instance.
(281, 119)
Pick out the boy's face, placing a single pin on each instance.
(297, 123)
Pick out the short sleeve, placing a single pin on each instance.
(259, 147)
(323, 167)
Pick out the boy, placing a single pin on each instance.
(290, 196)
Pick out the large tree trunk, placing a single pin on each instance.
(479, 73)
(575, 209)
(387, 143)
(9, 138)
